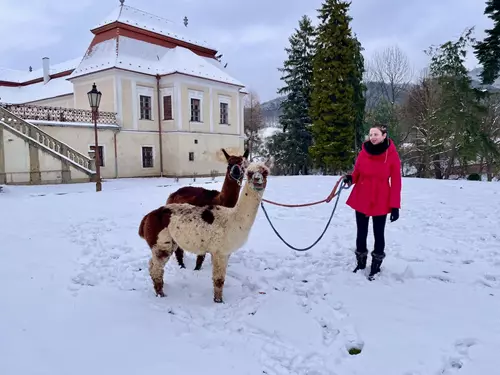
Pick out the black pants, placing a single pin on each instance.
(362, 222)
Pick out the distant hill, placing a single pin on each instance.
(271, 109)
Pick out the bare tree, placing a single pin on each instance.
(427, 138)
(253, 122)
(388, 77)
(391, 72)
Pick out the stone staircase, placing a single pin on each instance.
(40, 139)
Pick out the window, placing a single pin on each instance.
(147, 157)
(145, 107)
(196, 100)
(195, 110)
(224, 113)
(224, 101)
(191, 156)
(167, 107)
(101, 154)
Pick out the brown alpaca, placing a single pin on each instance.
(198, 196)
(217, 230)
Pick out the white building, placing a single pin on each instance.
(168, 107)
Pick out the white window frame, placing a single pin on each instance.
(145, 91)
(196, 94)
(168, 91)
(225, 99)
(103, 152)
(142, 161)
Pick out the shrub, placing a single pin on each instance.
(474, 177)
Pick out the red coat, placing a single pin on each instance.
(372, 194)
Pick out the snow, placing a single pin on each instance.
(36, 91)
(269, 131)
(73, 124)
(142, 57)
(21, 76)
(150, 22)
(76, 293)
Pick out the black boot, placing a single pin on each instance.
(377, 260)
(361, 258)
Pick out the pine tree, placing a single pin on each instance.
(359, 95)
(333, 94)
(295, 120)
(460, 111)
(488, 51)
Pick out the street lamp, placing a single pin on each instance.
(94, 101)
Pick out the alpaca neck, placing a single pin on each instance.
(230, 191)
(247, 206)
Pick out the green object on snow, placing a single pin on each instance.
(354, 351)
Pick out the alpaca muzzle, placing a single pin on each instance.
(258, 181)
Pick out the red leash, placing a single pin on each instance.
(326, 200)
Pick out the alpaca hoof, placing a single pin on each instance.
(181, 266)
(160, 293)
(218, 300)
(197, 268)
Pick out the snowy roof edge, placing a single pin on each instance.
(83, 74)
(125, 14)
(20, 77)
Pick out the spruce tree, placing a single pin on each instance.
(359, 95)
(333, 110)
(488, 51)
(295, 120)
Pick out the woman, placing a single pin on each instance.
(373, 195)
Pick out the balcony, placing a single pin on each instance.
(59, 114)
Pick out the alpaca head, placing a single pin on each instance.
(257, 173)
(236, 165)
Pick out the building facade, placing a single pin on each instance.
(168, 107)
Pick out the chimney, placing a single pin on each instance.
(46, 69)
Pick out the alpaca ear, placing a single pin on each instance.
(270, 162)
(225, 154)
(245, 155)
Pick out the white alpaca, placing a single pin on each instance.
(217, 230)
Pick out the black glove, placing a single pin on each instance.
(394, 214)
(347, 179)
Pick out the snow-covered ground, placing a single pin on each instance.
(76, 298)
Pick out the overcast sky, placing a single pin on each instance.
(252, 35)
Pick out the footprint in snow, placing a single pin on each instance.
(458, 359)
(489, 281)
(279, 359)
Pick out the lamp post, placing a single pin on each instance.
(94, 101)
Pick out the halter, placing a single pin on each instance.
(242, 174)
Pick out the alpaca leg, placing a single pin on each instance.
(159, 258)
(199, 262)
(179, 254)
(219, 267)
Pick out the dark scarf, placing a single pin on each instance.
(377, 149)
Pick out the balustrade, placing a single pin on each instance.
(59, 114)
(44, 138)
